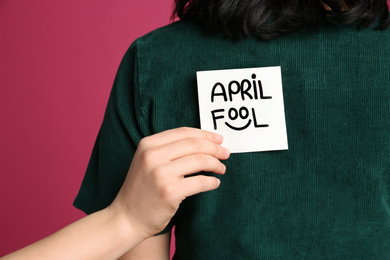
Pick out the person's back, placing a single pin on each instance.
(326, 197)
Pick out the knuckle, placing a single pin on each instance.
(185, 130)
(217, 149)
(167, 193)
(144, 143)
(195, 143)
(148, 156)
(208, 135)
(203, 183)
(201, 159)
(158, 173)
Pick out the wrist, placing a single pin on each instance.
(125, 227)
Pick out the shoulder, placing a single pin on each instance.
(171, 35)
(166, 44)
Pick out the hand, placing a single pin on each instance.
(156, 185)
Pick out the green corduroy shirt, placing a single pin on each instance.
(326, 197)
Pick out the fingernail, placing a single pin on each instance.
(218, 182)
(224, 168)
(226, 151)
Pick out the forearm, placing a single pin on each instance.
(102, 235)
(154, 248)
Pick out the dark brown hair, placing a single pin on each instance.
(267, 19)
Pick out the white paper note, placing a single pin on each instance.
(245, 106)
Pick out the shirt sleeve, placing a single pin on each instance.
(116, 142)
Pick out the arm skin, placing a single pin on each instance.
(154, 248)
(155, 186)
(86, 238)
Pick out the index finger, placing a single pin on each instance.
(180, 133)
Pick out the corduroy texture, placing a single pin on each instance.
(327, 197)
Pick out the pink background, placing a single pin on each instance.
(58, 60)
(57, 63)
